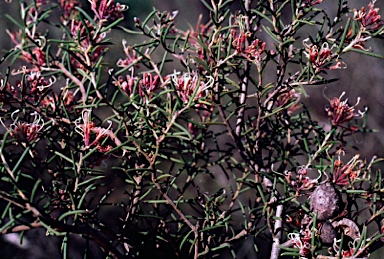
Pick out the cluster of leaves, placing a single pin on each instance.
(185, 145)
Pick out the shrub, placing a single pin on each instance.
(190, 142)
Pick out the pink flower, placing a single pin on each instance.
(254, 50)
(40, 57)
(342, 174)
(84, 126)
(190, 84)
(340, 111)
(239, 41)
(301, 242)
(107, 10)
(148, 84)
(352, 246)
(318, 57)
(286, 98)
(79, 33)
(126, 84)
(49, 103)
(338, 65)
(36, 82)
(370, 20)
(301, 182)
(68, 9)
(25, 131)
(36, 56)
(87, 44)
(144, 87)
(322, 58)
(131, 56)
(31, 88)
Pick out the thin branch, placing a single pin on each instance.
(244, 84)
(181, 214)
(75, 80)
(277, 233)
(22, 228)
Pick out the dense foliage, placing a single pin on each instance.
(195, 142)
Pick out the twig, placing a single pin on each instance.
(277, 233)
(10, 172)
(21, 228)
(244, 84)
(159, 140)
(133, 206)
(181, 214)
(75, 80)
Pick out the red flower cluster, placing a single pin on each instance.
(255, 50)
(68, 9)
(26, 132)
(370, 20)
(144, 86)
(189, 83)
(303, 242)
(131, 56)
(107, 10)
(239, 41)
(340, 111)
(31, 88)
(36, 82)
(288, 97)
(301, 182)
(252, 52)
(342, 174)
(84, 126)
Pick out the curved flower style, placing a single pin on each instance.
(189, 84)
(107, 10)
(131, 58)
(340, 111)
(24, 131)
(85, 127)
(302, 182)
(343, 173)
(302, 243)
(144, 86)
(37, 82)
(352, 246)
(321, 58)
(369, 20)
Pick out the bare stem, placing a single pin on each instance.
(180, 213)
(277, 233)
(75, 80)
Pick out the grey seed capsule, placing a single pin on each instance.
(327, 233)
(326, 200)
